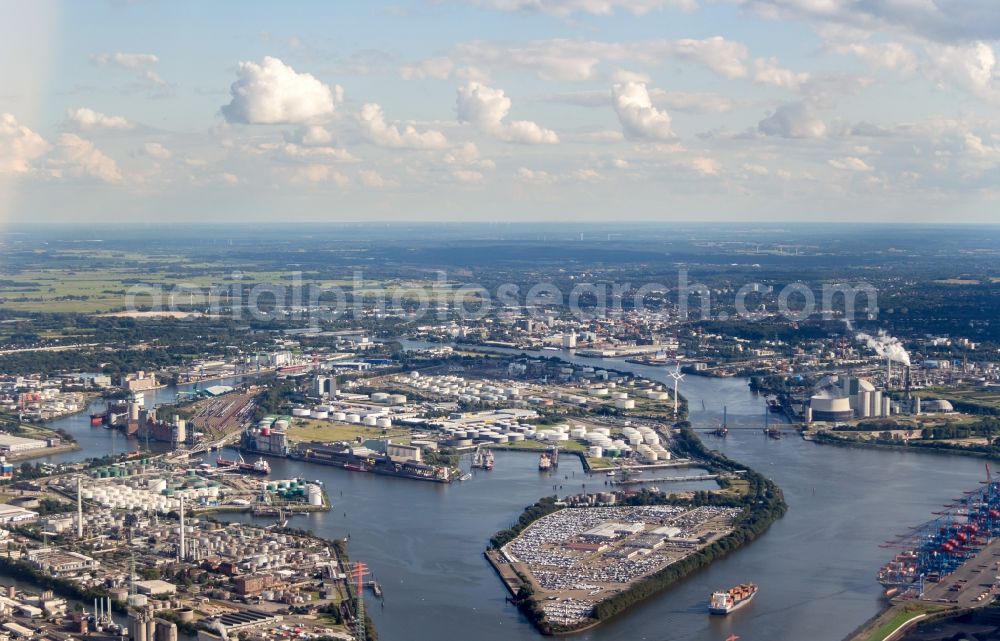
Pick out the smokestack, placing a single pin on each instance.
(888, 372)
(907, 381)
(181, 551)
(79, 508)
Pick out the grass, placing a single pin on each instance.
(326, 431)
(909, 612)
(974, 395)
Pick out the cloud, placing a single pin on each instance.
(329, 154)
(89, 119)
(793, 120)
(767, 72)
(850, 163)
(470, 176)
(274, 93)
(703, 165)
(140, 65)
(78, 157)
(970, 66)
(377, 131)
(315, 174)
(575, 60)
(439, 68)
(879, 55)
(156, 150)
(310, 136)
(534, 176)
(486, 108)
(566, 8)
(941, 20)
(640, 120)
(371, 178)
(695, 103)
(19, 146)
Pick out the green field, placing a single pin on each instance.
(325, 431)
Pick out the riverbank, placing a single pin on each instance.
(762, 504)
(927, 447)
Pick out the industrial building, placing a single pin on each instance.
(17, 444)
(842, 398)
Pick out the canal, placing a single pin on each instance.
(816, 567)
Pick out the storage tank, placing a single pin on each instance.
(314, 494)
(397, 399)
(595, 451)
(300, 412)
(320, 414)
(339, 416)
(383, 422)
(370, 420)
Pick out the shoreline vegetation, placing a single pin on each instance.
(763, 503)
(947, 439)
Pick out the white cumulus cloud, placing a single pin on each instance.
(793, 120)
(640, 120)
(19, 146)
(156, 150)
(79, 157)
(379, 132)
(486, 108)
(85, 118)
(273, 93)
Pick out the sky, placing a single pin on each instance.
(499, 110)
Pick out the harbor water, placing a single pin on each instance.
(816, 567)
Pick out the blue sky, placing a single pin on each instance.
(126, 111)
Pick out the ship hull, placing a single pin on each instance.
(733, 608)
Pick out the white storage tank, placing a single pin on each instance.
(397, 399)
(625, 404)
(320, 414)
(370, 420)
(595, 451)
(300, 412)
(353, 418)
(339, 416)
(383, 422)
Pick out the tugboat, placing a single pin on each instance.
(723, 430)
(544, 462)
(724, 602)
(96, 420)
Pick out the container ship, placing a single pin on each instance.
(260, 467)
(724, 602)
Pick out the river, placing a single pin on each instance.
(816, 567)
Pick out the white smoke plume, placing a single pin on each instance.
(886, 346)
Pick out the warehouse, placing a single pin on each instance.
(15, 514)
(59, 561)
(16, 444)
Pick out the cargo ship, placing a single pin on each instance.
(96, 420)
(346, 458)
(260, 467)
(724, 602)
(483, 459)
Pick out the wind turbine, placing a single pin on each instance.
(677, 376)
